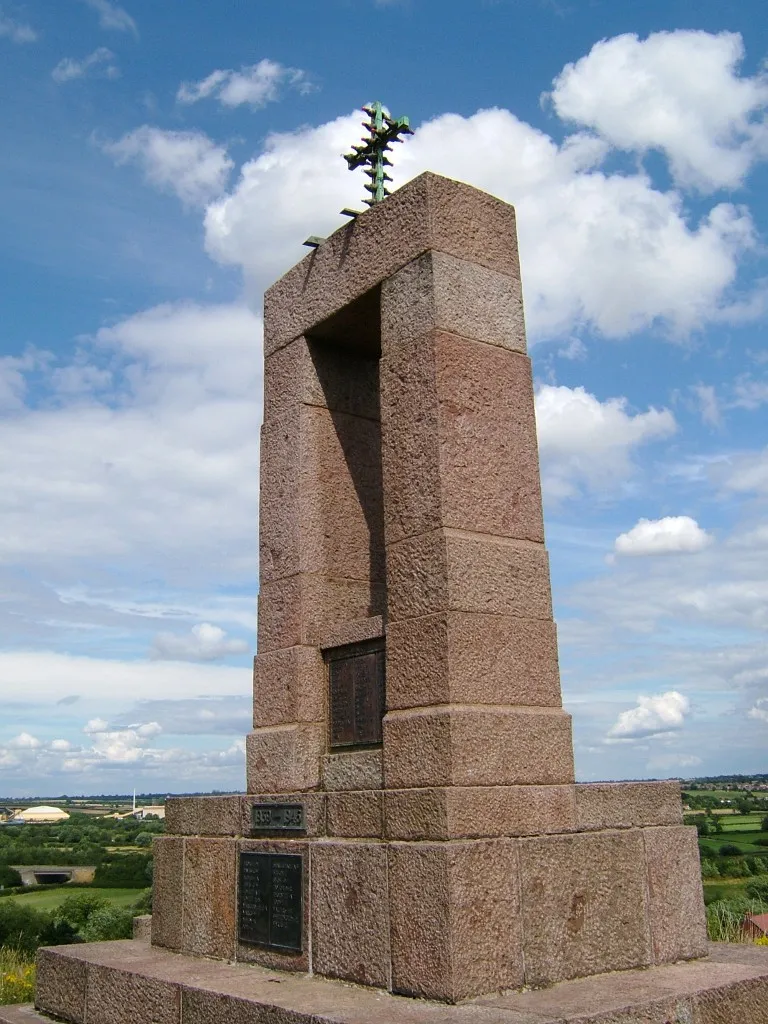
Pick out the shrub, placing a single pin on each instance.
(735, 868)
(78, 908)
(143, 904)
(709, 869)
(730, 850)
(108, 923)
(757, 889)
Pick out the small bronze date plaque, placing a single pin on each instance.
(277, 818)
(270, 896)
(356, 693)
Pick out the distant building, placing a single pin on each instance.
(155, 811)
(40, 815)
(755, 926)
(5, 813)
(152, 811)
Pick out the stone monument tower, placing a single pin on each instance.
(411, 822)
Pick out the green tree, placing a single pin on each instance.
(24, 928)
(9, 877)
(125, 870)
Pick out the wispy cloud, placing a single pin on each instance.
(256, 85)
(69, 69)
(16, 31)
(112, 16)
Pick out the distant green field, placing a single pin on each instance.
(718, 794)
(741, 822)
(49, 900)
(745, 840)
(722, 888)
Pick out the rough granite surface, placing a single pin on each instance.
(730, 986)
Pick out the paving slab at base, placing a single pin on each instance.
(129, 983)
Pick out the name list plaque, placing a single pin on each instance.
(356, 694)
(270, 900)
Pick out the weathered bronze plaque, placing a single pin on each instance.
(356, 685)
(277, 817)
(270, 893)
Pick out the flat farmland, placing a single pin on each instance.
(51, 899)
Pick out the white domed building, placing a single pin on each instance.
(41, 815)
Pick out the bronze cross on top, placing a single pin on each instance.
(382, 130)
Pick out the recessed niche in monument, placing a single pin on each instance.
(270, 900)
(356, 694)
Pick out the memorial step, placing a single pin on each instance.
(133, 983)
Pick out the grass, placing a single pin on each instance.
(741, 822)
(722, 888)
(51, 899)
(17, 977)
(724, 920)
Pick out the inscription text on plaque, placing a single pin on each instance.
(270, 903)
(277, 817)
(356, 693)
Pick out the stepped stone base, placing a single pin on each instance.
(505, 886)
(132, 983)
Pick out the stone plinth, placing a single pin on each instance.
(152, 986)
(407, 707)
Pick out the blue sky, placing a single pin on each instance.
(162, 164)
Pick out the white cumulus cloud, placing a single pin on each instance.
(24, 741)
(108, 473)
(584, 442)
(119, 745)
(760, 710)
(185, 162)
(204, 642)
(255, 85)
(670, 535)
(599, 250)
(101, 59)
(678, 92)
(653, 716)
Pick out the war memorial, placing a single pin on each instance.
(412, 845)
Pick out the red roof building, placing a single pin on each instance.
(755, 926)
